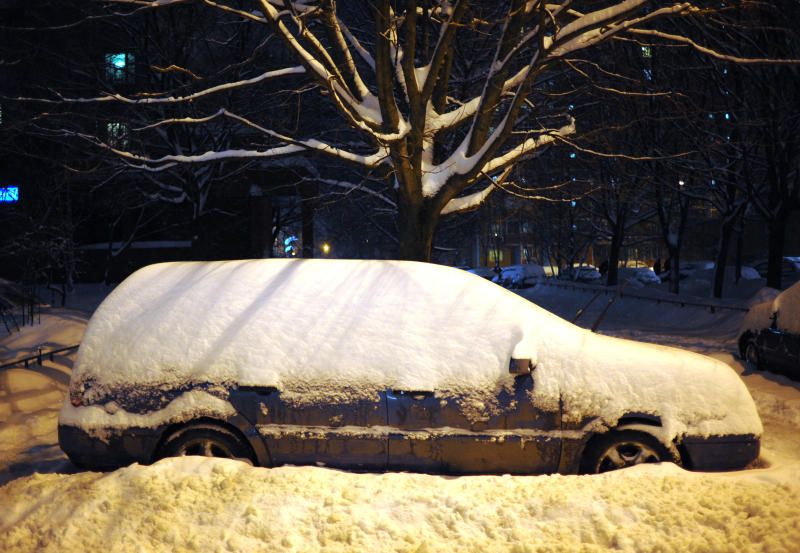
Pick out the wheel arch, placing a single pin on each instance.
(237, 425)
(745, 337)
(644, 423)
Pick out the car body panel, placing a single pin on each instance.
(432, 433)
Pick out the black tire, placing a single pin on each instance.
(206, 440)
(752, 356)
(621, 449)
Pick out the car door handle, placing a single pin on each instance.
(414, 394)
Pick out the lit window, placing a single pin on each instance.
(647, 52)
(9, 194)
(118, 134)
(648, 74)
(572, 155)
(119, 67)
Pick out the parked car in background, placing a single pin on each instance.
(520, 276)
(770, 333)
(790, 269)
(687, 269)
(641, 275)
(383, 365)
(484, 272)
(580, 273)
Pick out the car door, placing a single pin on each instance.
(335, 432)
(790, 355)
(434, 432)
(770, 346)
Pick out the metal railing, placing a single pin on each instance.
(38, 358)
(710, 305)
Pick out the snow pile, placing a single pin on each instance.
(308, 327)
(197, 504)
(786, 304)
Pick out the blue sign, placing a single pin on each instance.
(9, 194)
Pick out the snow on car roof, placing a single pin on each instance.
(287, 323)
(322, 329)
(786, 303)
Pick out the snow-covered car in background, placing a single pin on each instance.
(790, 269)
(484, 272)
(770, 333)
(383, 365)
(520, 276)
(687, 269)
(641, 275)
(580, 273)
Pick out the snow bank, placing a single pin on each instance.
(197, 504)
(30, 398)
(320, 329)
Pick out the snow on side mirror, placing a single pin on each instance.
(519, 366)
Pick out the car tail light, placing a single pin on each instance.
(75, 400)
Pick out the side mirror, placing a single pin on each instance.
(520, 366)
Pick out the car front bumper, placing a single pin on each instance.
(108, 452)
(718, 453)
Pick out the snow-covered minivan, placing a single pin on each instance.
(383, 365)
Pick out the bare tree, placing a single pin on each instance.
(439, 97)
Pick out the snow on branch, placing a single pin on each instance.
(296, 70)
(529, 145)
(476, 199)
(713, 53)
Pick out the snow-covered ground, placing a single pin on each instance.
(197, 504)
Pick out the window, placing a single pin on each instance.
(119, 67)
(647, 52)
(9, 194)
(117, 134)
(495, 256)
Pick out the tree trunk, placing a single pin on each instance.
(777, 235)
(613, 253)
(261, 217)
(739, 249)
(417, 226)
(726, 230)
(308, 192)
(674, 253)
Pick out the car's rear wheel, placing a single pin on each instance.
(751, 355)
(618, 450)
(206, 441)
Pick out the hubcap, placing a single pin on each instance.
(626, 454)
(751, 354)
(205, 447)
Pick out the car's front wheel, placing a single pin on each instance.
(752, 355)
(618, 450)
(206, 441)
